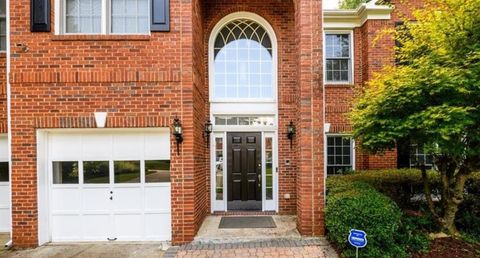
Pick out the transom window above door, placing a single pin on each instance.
(243, 62)
(105, 16)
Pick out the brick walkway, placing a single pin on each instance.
(314, 247)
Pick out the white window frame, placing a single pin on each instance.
(352, 152)
(419, 152)
(351, 72)
(211, 58)
(106, 20)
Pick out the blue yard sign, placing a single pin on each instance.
(357, 238)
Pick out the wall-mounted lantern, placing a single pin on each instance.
(291, 131)
(207, 130)
(178, 133)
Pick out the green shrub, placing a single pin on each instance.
(402, 184)
(358, 205)
(412, 233)
(352, 201)
(468, 216)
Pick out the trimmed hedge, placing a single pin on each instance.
(358, 205)
(401, 184)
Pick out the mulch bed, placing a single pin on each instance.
(451, 248)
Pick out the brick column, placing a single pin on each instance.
(310, 177)
(189, 205)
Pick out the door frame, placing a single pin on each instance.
(221, 205)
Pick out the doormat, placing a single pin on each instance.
(247, 222)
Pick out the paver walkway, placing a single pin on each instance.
(308, 247)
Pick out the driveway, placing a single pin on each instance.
(92, 250)
(263, 248)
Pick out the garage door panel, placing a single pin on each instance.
(96, 227)
(4, 193)
(128, 147)
(97, 147)
(127, 199)
(128, 226)
(96, 199)
(65, 147)
(110, 199)
(5, 218)
(64, 199)
(152, 151)
(158, 225)
(152, 200)
(66, 227)
(4, 207)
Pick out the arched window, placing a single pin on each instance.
(243, 62)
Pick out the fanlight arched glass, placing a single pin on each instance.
(243, 58)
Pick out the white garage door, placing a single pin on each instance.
(4, 186)
(109, 186)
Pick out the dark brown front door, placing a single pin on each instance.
(244, 170)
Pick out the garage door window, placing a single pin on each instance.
(157, 171)
(96, 172)
(127, 171)
(4, 172)
(65, 172)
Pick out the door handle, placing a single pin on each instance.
(111, 197)
(111, 239)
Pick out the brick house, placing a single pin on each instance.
(135, 119)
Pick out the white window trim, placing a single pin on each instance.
(351, 74)
(211, 58)
(61, 23)
(325, 150)
(418, 153)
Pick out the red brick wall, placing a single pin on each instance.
(370, 55)
(3, 93)
(404, 8)
(141, 81)
(200, 107)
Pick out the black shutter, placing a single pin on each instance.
(40, 15)
(160, 15)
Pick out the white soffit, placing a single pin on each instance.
(348, 19)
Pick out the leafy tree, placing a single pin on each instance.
(351, 4)
(432, 98)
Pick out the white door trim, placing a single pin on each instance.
(221, 205)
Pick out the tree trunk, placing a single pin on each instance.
(428, 192)
(452, 200)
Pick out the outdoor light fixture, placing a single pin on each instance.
(178, 133)
(208, 129)
(291, 131)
